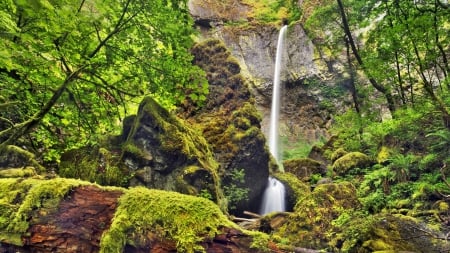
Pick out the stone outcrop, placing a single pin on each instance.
(304, 168)
(231, 124)
(163, 152)
(312, 83)
(314, 213)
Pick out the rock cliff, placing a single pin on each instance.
(311, 83)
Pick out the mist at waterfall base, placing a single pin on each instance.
(274, 195)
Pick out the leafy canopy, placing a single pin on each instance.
(68, 69)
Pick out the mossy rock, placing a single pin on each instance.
(338, 153)
(18, 172)
(94, 164)
(404, 233)
(295, 188)
(162, 151)
(304, 168)
(184, 219)
(311, 223)
(389, 233)
(350, 161)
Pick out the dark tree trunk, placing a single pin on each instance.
(375, 84)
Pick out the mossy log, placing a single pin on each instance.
(66, 215)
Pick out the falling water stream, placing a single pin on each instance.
(275, 110)
(274, 195)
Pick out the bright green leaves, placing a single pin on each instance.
(119, 50)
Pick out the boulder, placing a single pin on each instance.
(388, 233)
(304, 168)
(350, 161)
(163, 152)
(310, 223)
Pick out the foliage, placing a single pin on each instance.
(298, 149)
(268, 11)
(374, 187)
(233, 192)
(68, 67)
(182, 218)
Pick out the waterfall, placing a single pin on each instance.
(274, 195)
(275, 110)
(273, 198)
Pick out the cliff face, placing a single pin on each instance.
(310, 82)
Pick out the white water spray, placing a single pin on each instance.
(273, 198)
(275, 110)
(274, 195)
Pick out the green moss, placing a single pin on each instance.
(93, 164)
(350, 161)
(384, 154)
(136, 151)
(338, 153)
(260, 240)
(267, 11)
(311, 223)
(17, 172)
(183, 218)
(299, 188)
(19, 198)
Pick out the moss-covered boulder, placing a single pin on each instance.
(156, 149)
(310, 224)
(338, 153)
(350, 161)
(164, 152)
(295, 188)
(304, 168)
(67, 215)
(231, 124)
(94, 164)
(387, 233)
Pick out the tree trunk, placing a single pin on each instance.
(375, 84)
(80, 219)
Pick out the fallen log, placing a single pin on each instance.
(66, 215)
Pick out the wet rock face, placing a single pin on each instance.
(209, 13)
(311, 81)
(231, 124)
(309, 85)
(165, 153)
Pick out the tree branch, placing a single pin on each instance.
(375, 84)
(116, 30)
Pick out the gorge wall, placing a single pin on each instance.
(311, 82)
